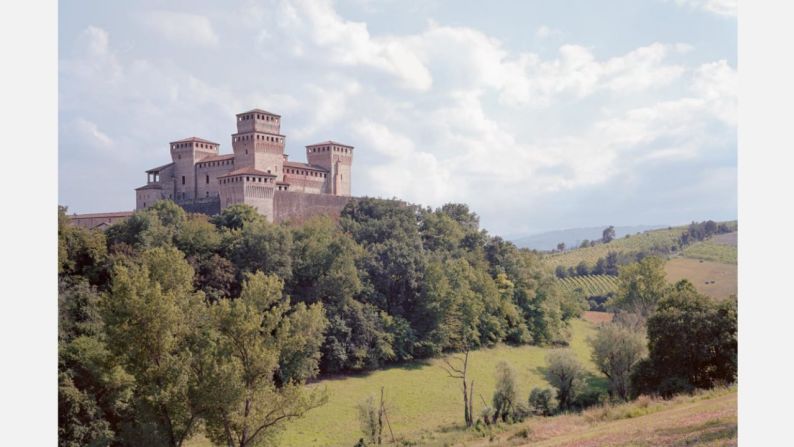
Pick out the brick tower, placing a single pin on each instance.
(185, 154)
(258, 143)
(337, 159)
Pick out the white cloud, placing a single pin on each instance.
(440, 113)
(545, 32)
(182, 28)
(89, 132)
(727, 8)
(718, 83)
(93, 57)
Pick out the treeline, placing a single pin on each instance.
(171, 321)
(609, 265)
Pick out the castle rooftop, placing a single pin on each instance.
(159, 168)
(249, 171)
(297, 164)
(216, 158)
(259, 111)
(196, 140)
(330, 142)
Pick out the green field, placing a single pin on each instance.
(720, 248)
(424, 401)
(637, 242)
(591, 285)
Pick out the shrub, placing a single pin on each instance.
(504, 397)
(520, 412)
(590, 398)
(542, 402)
(566, 374)
(616, 350)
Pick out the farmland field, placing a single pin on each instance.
(424, 400)
(591, 285)
(720, 248)
(715, 279)
(637, 242)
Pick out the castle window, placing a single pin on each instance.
(208, 179)
(183, 179)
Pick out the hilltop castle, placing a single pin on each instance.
(257, 173)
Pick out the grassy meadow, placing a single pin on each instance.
(423, 401)
(715, 279)
(721, 248)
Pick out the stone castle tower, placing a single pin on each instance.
(257, 173)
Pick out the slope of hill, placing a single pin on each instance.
(715, 279)
(720, 248)
(708, 418)
(574, 236)
(422, 399)
(650, 240)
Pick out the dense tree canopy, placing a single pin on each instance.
(172, 321)
(692, 343)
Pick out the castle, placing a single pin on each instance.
(257, 173)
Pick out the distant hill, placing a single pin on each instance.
(574, 236)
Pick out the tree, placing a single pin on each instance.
(457, 368)
(608, 234)
(94, 391)
(504, 397)
(541, 402)
(261, 246)
(582, 269)
(691, 342)
(372, 417)
(641, 286)
(80, 251)
(584, 244)
(561, 246)
(235, 217)
(616, 350)
(253, 338)
(150, 316)
(600, 267)
(561, 272)
(565, 373)
(611, 264)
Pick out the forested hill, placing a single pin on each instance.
(234, 312)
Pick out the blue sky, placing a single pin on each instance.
(539, 115)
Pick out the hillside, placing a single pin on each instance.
(708, 418)
(661, 239)
(711, 264)
(574, 236)
(424, 401)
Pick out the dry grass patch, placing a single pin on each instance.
(715, 279)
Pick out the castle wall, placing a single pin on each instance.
(297, 207)
(144, 198)
(208, 205)
(207, 174)
(98, 220)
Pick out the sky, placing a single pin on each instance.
(540, 115)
